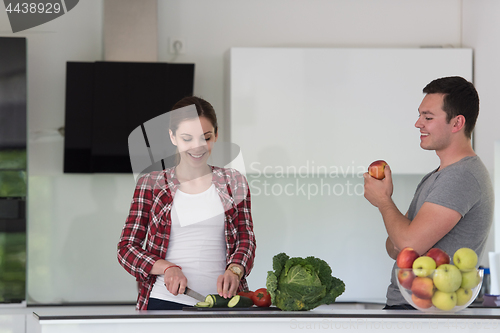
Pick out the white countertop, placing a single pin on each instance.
(348, 316)
(337, 310)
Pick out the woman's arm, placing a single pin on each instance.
(244, 252)
(244, 244)
(175, 280)
(131, 255)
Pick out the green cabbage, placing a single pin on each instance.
(302, 284)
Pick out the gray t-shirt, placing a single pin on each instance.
(465, 187)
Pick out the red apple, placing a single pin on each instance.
(421, 302)
(376, 169)
(439, 256)
(422, 287)
(406, 257)
(405, 277)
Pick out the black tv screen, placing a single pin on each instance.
(106, 101)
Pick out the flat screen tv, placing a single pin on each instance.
(106, 101)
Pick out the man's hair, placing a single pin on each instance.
(460, 98)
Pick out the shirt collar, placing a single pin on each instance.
(169, 178)
(219, 179)
(171, 181)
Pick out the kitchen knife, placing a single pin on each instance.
(190, 292)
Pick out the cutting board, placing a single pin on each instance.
(253, 308)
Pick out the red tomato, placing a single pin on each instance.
(261, 298)
(246, 293)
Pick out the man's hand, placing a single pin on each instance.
(377, 192)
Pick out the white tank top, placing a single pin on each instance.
(197, 244)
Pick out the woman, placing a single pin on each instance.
(194, 219)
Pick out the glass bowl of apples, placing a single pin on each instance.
(437, 284)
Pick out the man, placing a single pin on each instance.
(453, 205)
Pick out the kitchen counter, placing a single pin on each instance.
(339, 316)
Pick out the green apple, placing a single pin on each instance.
(465, 259)
(423, 266)
(443, 300)
(463, 296)
(447, 278)
(470, 279)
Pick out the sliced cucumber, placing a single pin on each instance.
(216, 301)
(202, 305)
(240, 302)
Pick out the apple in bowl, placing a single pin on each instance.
(465, 259)
(439, 256)
(423, 266)
(447, 278)
(406, 277)
(442, 290)
(422, 287)
(406, 257)
(433, 284)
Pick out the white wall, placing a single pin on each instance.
(210, 28)
(63, 208)
(481, 31)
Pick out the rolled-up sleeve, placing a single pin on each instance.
(245, 243)
(131, 254)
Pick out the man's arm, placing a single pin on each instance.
(392, 251)
(431, 223)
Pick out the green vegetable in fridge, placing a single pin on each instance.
(302, 283)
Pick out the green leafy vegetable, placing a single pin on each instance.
(302, 284)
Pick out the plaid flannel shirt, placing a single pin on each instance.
(150, 215)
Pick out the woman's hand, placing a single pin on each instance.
(228, 283)
(175, 281)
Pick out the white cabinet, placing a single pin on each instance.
(334, 110)
(13, 323)
(13, 318)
